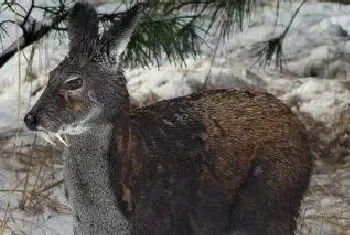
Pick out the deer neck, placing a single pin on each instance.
(91, 178)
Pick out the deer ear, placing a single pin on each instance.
(82, 30)
(116, 39)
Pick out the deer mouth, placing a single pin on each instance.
(61, 135)
(51, 137)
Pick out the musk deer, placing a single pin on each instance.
(215, 162)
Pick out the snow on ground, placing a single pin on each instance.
(317, 56)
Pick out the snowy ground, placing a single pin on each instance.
(316, 83)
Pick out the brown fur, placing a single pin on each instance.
(247, 151)
(73, 103)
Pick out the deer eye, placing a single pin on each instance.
(73, 83)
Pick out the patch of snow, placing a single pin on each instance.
(323, 99)
(56, 225)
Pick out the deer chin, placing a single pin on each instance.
(60, 135)
(50, 136)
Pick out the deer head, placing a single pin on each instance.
(87, 83)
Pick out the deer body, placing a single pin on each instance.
(217, 162)
(211, 163)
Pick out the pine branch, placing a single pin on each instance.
(160, 37)
(265, 50)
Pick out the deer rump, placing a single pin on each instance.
(213, 163)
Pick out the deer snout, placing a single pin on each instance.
(31, 120)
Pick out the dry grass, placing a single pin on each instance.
(32, 173)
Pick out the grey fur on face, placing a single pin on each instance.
(77, 84)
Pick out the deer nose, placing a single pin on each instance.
(31, 120)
